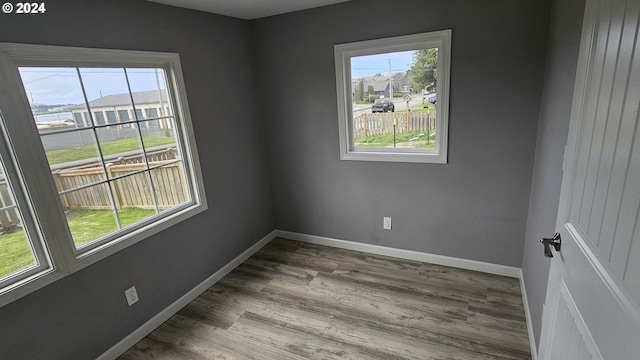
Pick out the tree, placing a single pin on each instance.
(360, 91)
(371, 92)
(425, 68)
(378, 74)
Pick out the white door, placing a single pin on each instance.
(592, 309)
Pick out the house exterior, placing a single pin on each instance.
(150, 109)
(400, 81)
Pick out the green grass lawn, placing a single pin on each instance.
(85, 225)
(108, 148)
(88, 225)
(427, 106)
(15, 253)
(387, 140)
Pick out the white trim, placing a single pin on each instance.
(527, 314)
(481, 266)
(342, 57)
(125, 344)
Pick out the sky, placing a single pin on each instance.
(57, 86)
(369, 65)
(54, 86)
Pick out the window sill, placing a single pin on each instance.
(396, 156)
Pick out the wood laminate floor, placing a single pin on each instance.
(294, 300)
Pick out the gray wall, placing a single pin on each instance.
(474, 207)
(82, 315)
(555, 110)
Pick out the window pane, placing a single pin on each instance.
(139, 115)
(131, 215)
(55, 96)
(111, 117)
(108, 95)
(133, 191)
(121, 147)
(149, 91)
(15, 250)
(61, 115)
(169, 185)
(394, 99)
(106, 89)
(98, 117)
(77, 118)
(16, 253)
(134, 198)
(158, 134)
(119, 126)
(73, 150)
(89, 213)
(152, 112)
(123, 115)
(149, 94)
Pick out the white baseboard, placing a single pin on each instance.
(496, 269)
(527, 314)
(144, 330)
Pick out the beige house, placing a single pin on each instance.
(147, 109)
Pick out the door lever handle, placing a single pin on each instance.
(556, 241)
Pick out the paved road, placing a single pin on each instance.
(400, 104)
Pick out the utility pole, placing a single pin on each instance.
(165, 122)
(390, 82)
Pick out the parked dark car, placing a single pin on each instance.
(383, 106)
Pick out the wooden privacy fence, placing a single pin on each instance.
(158, 155)
(135, 190)
(130, 191)
(8, 218)
(382, 123)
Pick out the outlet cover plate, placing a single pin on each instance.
(386, 223)
(132, 295)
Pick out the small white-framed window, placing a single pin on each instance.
(84, 172)
(393, 98)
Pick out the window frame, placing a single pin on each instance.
(343, 54)
(36, 186)
(31, 229)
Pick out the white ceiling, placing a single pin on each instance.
(249, 9)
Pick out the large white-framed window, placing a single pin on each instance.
(80, 180)
(393, 98)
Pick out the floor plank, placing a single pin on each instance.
(293, 300)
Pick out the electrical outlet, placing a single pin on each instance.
(132, 295)
(386, 223)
